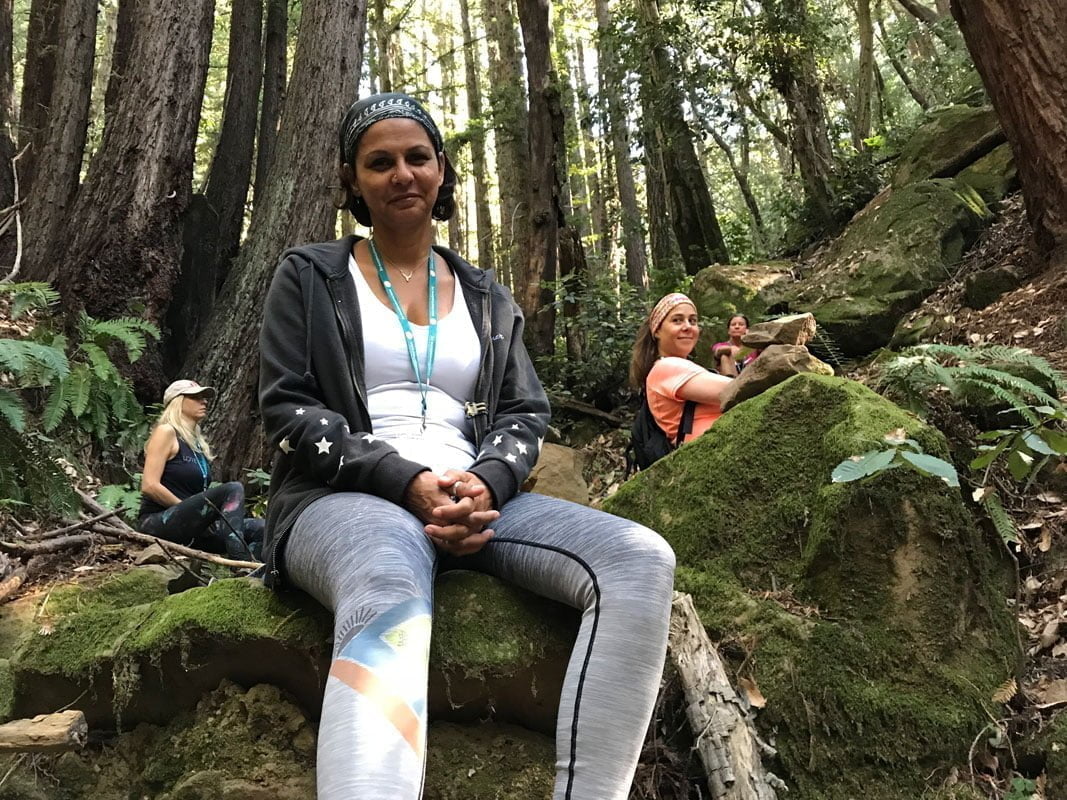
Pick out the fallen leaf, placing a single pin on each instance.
(1053, 694)
(979, 493)
(1050, 498)
(755, 696)
(1060, 650)
(1006, 691)
(1049, 635)
(1044, 544)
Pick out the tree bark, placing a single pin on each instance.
(38, 78)
(546, 217)
(7, 106)
(130, 207)
(902, 72)
(696, 227)
(608, 65)
(297, 207)
(1020, 50)
(120, 54)
(861, 129)
(508, 111)
(58, 168)
(921, 12)
(476, 126)
(598, 215)
(275, 48)
(231, 168)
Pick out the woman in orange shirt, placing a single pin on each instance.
(660, 366)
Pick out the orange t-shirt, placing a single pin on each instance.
(665, 379)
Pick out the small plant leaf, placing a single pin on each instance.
(1054, 439)
(932, 465)
(852, 469)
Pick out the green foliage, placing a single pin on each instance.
(30, 473)
(29, 295)
(971, 376)
(904, 452)
(256, 500)
(1022, 789)
(607, 318)
(124, 496)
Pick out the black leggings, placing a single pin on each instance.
(213, 520)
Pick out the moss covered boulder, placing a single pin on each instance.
(938, 144)
(721, 291)
(892, 255)
(871, 614)
(993, 176)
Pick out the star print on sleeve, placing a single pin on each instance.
(515, 427)
(497, 440)
(520, 447)
(370, 437)
(324, 445)
(511, 457)
(301, 411)
(284, 446)
(324, 421)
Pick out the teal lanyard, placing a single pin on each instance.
(409, 335)
(201, 462)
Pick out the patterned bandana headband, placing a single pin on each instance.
(663, 308)
(393, 105)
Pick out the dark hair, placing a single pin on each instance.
(735, 316)
(643, 355)
(360, 117)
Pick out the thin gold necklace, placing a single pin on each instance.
(406, 274)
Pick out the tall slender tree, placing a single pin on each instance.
(275, 48)
(38, 77)
(476, 131)
(861, 127)
(7, 106)
(1020, 50)
(297, 206)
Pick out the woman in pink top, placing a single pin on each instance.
(728, 355)
(660, 366)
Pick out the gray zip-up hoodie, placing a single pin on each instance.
(314, 400)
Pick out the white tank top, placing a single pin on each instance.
(393, 396)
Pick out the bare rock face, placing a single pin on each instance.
(796, 329)
(558, 473)
(775, 364)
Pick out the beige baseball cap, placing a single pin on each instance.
(187, 387)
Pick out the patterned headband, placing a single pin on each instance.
(364, 113)
(663, 308)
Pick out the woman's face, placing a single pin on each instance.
(678, 334)
(737, 327)
(194, 406)
(397, 172)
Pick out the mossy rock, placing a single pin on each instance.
(892, 255)
(721, 291)
(949, 133)
(994, 176)
(1046, 751)
(873, 613)
(488, 762)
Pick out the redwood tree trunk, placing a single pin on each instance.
(38, 77)
(545, 141)
(58, 167)
(472, 67)
(865, 80)
(231, 168)
(129, 209)
(297, 207)
(120, 54)
(1020, 50)
(274, 61)
(7, 106)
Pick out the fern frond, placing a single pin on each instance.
(98, 360)
(55, 407)
(1025, 389)
(12, 409)
(132, 333)
(29, 473)
(77, 388)
(33, 363)
(27, 295)
(999, 517)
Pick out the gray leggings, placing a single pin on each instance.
(370, 562)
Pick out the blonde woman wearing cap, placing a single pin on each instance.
(178, 502)
(660, 367)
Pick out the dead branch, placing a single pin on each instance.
(131, 535)
(31, 549)
(11, 584)
(45, 733)
(90, 503)
(725, 733)
(85, 523)
(18, 219)
(585, 408)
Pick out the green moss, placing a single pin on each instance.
(132, 588)
(488, 762)
(948, 134)
(7, 689)
(893, 632)
(481, 625)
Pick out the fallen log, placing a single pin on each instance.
(31, 549)
(726, 739)
(12, 583)
(85, 523)
(45, 733)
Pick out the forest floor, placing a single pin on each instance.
(1030, 316)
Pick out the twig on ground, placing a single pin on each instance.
(17, 267)
(85, 523)
(190, 552)
(47, 546)
(11, 583)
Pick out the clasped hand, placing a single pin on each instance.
(456, 508)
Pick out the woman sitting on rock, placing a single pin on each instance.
(406, 414)
(732, 356)
(660, 366)
(178, 502)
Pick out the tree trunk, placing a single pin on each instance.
(1020, 50)
(902, 73)
(105, 54)
(38, 77)
(381, 67)
(608, 67)
(275, 31)
(445, 45)
(865, 79)
(574, 196)
(921, 12)
(231, 168)
(795, 76)
(297, 207)
(120, 54)
(508, 111)
(696, 226)
(7, 106)
(129, 210)
(598, 215)
(546, 217)
(58, 170)
(472, 67)
(665, 257)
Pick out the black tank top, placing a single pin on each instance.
(186, 474)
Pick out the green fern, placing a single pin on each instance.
(29, 473)
(131, 333)
(33, 363)
(1002, 523)
(12, 410)
(28, 295)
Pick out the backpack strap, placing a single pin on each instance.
(685, 425)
